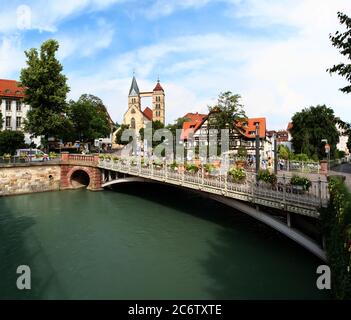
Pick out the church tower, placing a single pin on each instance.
(134, 96)
(158, 103)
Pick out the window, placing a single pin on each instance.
(132, 123)
(18, 122)
(8, 121)
(158, 99)
(8, 105)
(157, 106)
(18, 105)
(133, 111)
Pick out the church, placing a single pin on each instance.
(137, 118)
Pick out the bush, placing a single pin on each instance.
(52, 155)
(174, 165)
(301, 157)
(301, 181)
(238, 174)
(10, 141)
(336, 227)
(266, 176)
(242, 153)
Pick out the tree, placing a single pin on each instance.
(88, 117)
(46, 90)
(342, 41)
(227, 111)
(178, 124)
(1, 120)
(284, 152)
(156, 125)
(119, 135)
(310, 127)
(10, 141)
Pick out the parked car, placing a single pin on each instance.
(32, 155)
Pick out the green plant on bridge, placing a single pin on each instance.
(174, 165)
(192, 168)
(336, 227)
(303, 182)
(209, 167)
(53, 155)
(266, 176)
(101, 157)
(107, 157)
(237, 174)
(115, 159)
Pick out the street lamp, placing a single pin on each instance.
(327, 151)
(275, 153)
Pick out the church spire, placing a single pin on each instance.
(134, 89)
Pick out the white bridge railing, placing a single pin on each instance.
(281, 196)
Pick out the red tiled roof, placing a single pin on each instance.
(148, 113)
(290, 125)
(195, 116)
(250, 128)
(10, 88)
(192, 124)
(158, 87)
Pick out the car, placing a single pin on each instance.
(32, 155)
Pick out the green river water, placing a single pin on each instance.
(145, 241)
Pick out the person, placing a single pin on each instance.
(270, 164)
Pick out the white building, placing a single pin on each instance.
(343, 138)
(12, 108)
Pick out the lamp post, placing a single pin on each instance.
(257, 148)
(327, 151)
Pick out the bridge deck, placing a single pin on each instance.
(278, 197)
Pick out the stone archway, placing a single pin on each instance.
(80, 179)
(73, 177)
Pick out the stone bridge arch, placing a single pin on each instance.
(73, 176)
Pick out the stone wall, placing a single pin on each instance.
(29, 179)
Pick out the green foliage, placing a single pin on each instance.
(1, 120)
(89, 119)
(301, 181)
(10, 141)
(119, 135)
(178, 124)
(310, 126)
(284, 152)
(46, 92)
(227, 111)
(53, 155)
(301, 157)
(238, 174)
(242, 152)
(266, 176)
(336, 225)
(192, 168)
(342, 41)
(209, 167)
(174, 165)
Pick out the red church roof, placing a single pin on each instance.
(10, 88)
(148, 113)
(158, 87)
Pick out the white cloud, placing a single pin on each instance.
(11, 56)
(167, 7)
(85, 42)
(46, 15)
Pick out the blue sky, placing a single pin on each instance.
(272, 52)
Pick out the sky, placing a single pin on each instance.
(274, 53)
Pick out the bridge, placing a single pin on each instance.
(277, 206)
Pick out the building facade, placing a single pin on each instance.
(13, 109)
(137, 118)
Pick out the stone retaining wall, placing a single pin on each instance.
(29, 179)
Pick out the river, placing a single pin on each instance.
(146, 241)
